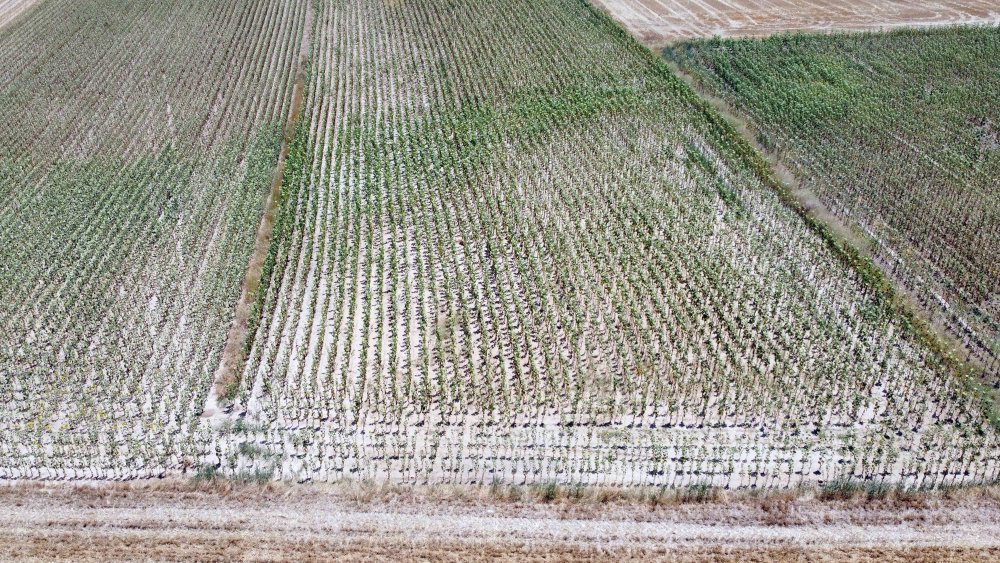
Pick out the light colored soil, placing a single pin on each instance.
(181, 520)
(659, 22)
(12, 9)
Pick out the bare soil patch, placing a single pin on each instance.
(659, 22)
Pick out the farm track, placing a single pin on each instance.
(234, 352)
(160, 521)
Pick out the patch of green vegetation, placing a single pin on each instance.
(249, 450)
(258, 476)
(726, 193)
(698, 493)
(207, 472)
(846, 489)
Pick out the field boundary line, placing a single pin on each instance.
(235, 350)
(843, 241)
(732, 131)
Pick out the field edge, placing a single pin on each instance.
(216, 520)
(840, 238)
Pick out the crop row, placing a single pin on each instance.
(897, 135)
(519, 219)
(137, 142)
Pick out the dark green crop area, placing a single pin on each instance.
(898, 135)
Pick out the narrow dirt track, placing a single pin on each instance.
(660, 22)
(277, 522)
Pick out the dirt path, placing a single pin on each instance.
(659, 22)
(233, 352)
(305, 522)
(12, 9)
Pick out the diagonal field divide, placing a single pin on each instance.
(234, 351)
(973, 372)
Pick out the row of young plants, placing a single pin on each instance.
(896, 134)
(517, 219)
(137, 142)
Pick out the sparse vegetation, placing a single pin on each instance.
(545, 260)
(464, 280)
(136, 146)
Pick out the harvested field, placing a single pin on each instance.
(11, 9)
(658, 22)
(185, 521)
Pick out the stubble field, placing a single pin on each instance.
(658, 22)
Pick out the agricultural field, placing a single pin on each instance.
(137, 142)
(515, 248)
(896, 135)
(11, 9)
(659, 22)
(508, 247)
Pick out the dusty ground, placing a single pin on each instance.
(11, 9)
(183, 520)
(658, 22)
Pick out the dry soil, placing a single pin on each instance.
(173, 520)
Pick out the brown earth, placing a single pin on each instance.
(659, 22)
(173, 520)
